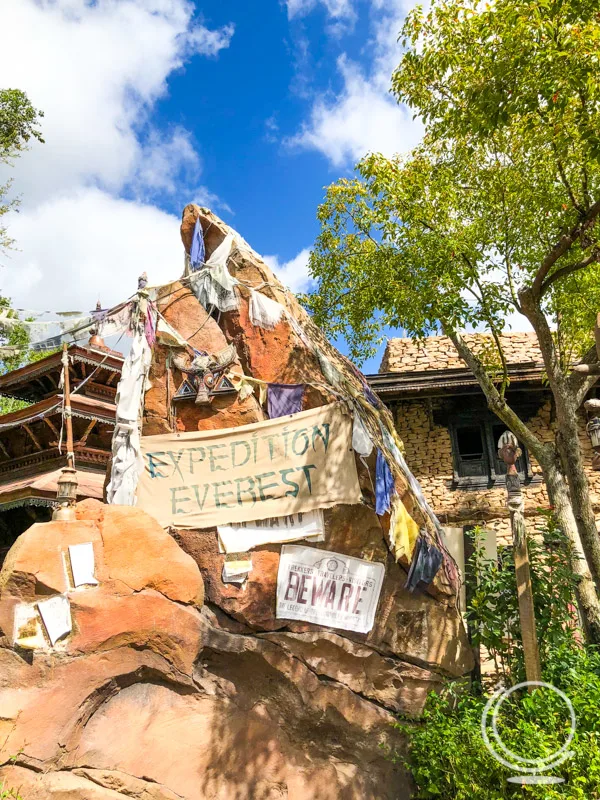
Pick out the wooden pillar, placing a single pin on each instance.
(508, 450)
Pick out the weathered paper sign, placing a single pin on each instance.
(56, 615)
(327, 588)
(242, 536)
(82, 564)
(275, 468)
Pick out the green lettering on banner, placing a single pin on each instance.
(197, 493)
(175, 500)
(296, 486)
(323, 436)
(306, 470)
(193, 461)
(249, 490)
(214, 467)
(301, 432)
(262, 488)
(152, 464)
(248, 453)
(219, 497)
(176, 458)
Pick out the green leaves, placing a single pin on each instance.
(19, 122)
(509, 166)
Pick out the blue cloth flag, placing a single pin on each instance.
(197, 251)
(384, 485)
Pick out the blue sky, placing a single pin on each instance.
(251, 108)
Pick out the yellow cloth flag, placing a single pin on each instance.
(404, 531)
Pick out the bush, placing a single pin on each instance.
(447, 755)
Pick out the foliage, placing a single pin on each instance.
(493, 611)
(502, 195)
(19, 122)
(447, 754)
(15, 336)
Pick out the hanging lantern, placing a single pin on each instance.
(66, 494)
(593, 429)
(67, 486)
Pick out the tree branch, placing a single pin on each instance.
(578, 383)
(496, 402)
(594, 256)
(563, 245)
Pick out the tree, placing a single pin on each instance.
(18, 125)
(494, 213)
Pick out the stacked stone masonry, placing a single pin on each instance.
(428, 445)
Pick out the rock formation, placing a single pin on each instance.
(174, 684)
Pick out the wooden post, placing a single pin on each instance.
(508, 450)
(66, 493)
(68, 417)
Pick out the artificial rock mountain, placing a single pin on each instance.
(174, 684)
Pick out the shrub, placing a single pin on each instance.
(446, 753)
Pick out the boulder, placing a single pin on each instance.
(167, 682)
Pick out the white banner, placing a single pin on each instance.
(243, 536)
(329, 589)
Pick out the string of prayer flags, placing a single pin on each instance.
(284, 399)
(427, 560)
(264, 311)
(361, 440)
(197, 250)
(404, 531)
(384, 485)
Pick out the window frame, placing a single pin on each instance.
(492, 477)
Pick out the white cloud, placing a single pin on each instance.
(293, 273)
(88, 245)
(96, 69)
(364, 117)
(361, 119)
(335, 9)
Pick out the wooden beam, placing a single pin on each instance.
(4, 450)
(587, 369)
(32, 437)
(88, 430)
(52, 426)
(111, 378)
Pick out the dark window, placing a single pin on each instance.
(475, 451)
(471, 450)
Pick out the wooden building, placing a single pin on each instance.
(31, 452)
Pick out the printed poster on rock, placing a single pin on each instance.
(329, 589)
(283, 466)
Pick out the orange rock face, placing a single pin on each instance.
(171, 683)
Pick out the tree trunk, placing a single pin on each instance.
(567, 440)
(567, 437)
(545, 454)
(587, 598)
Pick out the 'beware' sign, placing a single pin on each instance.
(327, 588)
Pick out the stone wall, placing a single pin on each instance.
(429, 455)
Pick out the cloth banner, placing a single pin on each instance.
(243, 536)
(329, 589)
(268, 469)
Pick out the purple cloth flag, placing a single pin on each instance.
(284, 398)
(197, 251)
